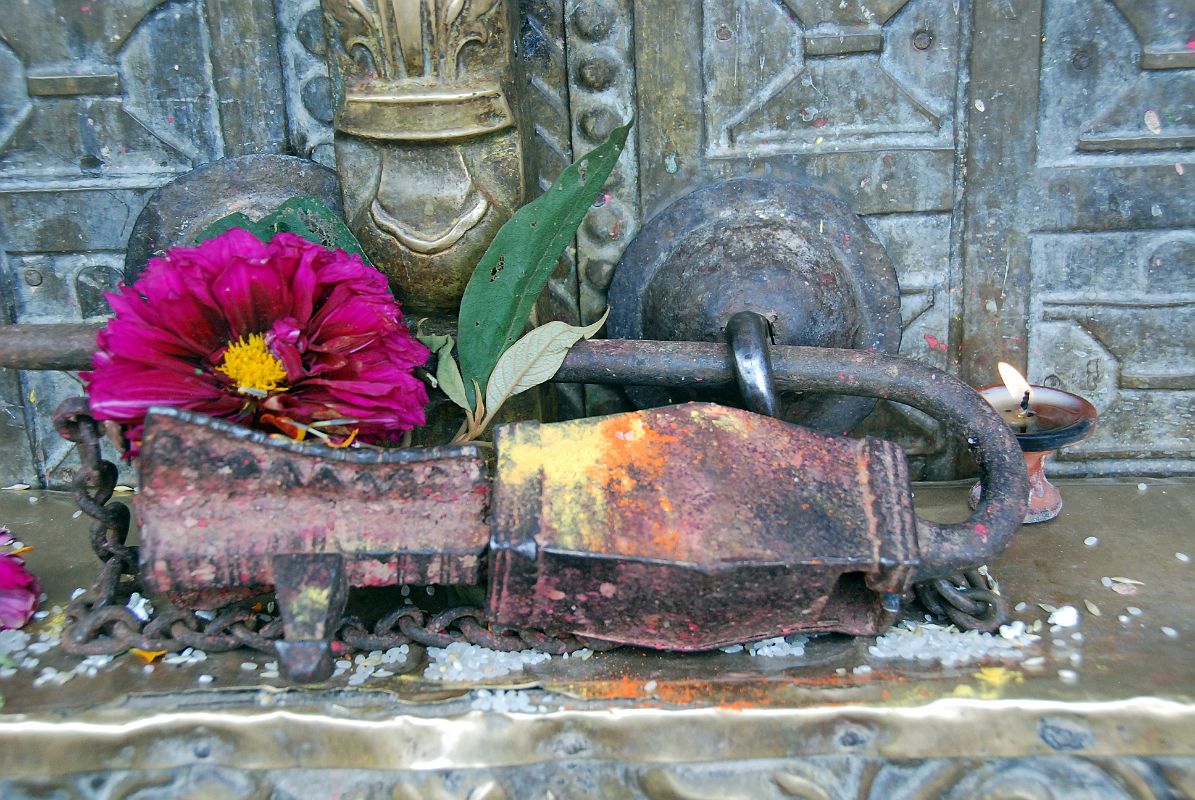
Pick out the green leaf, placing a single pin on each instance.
(533, 360)
(512, 273)
(448, 374)
(310, 218)
(235, 220)
(304, 216)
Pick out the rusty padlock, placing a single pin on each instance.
(685, 527)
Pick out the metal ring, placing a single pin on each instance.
(750, 336)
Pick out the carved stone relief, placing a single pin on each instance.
(602, 95)
(309, 109)
(786, 77)
(100, 103)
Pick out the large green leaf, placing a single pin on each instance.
(508, 279)
(304, 216)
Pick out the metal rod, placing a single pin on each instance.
(60, 346)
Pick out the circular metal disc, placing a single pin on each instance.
(253, 185)
(796, 255)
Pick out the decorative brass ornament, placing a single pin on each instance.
(427, 150)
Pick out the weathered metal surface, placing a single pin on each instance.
(827, 370)
(219, 502)
(253, 185)
(786, 251)
(48, 346)
(751, 336)
(311, 590)
(714, 724)
(429, 159)
(696, 526)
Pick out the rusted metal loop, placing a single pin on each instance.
(386, 624)
(965, 600)
(750, 336)
(445, 618)
(417, 633)
(538, 640)
(162, 625)
(993, 615)
(70, 414)
(959, 598)
(113, 621)
(253, 639)
(476, 633)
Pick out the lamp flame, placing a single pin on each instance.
(1018, 387)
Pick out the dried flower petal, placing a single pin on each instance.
(147, 656)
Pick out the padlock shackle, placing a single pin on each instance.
(944, 548)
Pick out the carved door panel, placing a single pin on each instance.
(100, 103)
(1079, 247)
(857, 98)
(1023, 163)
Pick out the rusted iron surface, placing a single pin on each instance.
(218, 503)
(945, 548)
(694, 526)
(60, 346)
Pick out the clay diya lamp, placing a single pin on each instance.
(1043, 420)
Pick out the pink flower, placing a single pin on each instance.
(281, 336)
(20, 591)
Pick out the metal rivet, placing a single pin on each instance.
(598, 73)
(597, 123)
(922, 40)
(594, 21)
(33, 277)
(1081, 59)
(723, 32)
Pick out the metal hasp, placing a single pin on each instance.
(791, 253)
(694, 526)
(225, 507)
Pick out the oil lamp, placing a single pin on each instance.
(1043, 420)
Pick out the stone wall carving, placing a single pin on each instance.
(602, 95)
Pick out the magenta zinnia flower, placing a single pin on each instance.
(19, 590)
(266, 335)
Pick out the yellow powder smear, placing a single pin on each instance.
(594, 472)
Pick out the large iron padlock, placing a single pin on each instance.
(657, 527)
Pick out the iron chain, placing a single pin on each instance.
(968, 599)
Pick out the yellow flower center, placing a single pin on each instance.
(251, 366)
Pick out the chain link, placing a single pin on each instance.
(969, 599)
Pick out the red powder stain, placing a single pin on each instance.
(934, 342)
(846, 238)
(1191, 44)
(170, 119)
(982, 530)
(820, 122)
(842, 376)
(85, 9)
